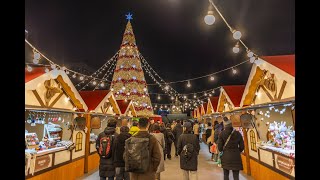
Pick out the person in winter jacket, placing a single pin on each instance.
(177, 131)
(150, 129)
(170, 140)
(163, 130)
(231, 158)
(118, 154)
(106, 165)
(189, 165)
(160, 138)
(154, 152)
(196, 128)
(134, 128)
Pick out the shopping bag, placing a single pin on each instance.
(213, 148)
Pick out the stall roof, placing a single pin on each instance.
(283, 62)
(125, 105)
(38, 76)
(214, 102)
(235, 93)
(205, 105)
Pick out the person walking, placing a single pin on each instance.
(160, 138)
(230, 143)
(196, 128)
(217, 129)
(105, 145)
(170, 140)
(163, 130)
(208, 135)
(119, 163)
(140, 164)
(188, 149)
(177, 131)
(134, 128)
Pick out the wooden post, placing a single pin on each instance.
(87, 143)
(246, 150)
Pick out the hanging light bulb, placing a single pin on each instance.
(63, 68)
(234, 71)
(209, 19)
(236, 34)
(125, 100)
(210, 94)
(159, 97)
(81, 78)
(172, 98)
(53, 66)
(211, 78)
(194, 96)
(35, 61)
(213, 91)
(74, 75)
(36, 55)
(67, 72)
(249, 53)
(144, 89)
(94, 82)
(252, 59)
(188, 85)
(29, 68)
(205, 94)
(111, 89)
(46, 70)
(165, 106)
(166, 87)
(236, 48)
(102, 84)
(123, 87)
(185, 97)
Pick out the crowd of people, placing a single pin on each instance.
(138, 152)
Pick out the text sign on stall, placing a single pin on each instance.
(285, 164)
(42, 162)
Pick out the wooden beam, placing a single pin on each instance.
(102, 110)
(284, 83)
(56, 100)
(267, 92)
(87, 143)
(36, 94)
(246, 150)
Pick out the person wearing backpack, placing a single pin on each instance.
(106, 148)
(177, 131)
(169, 141)
(230, 145)
(134, 128)
(160, 138)
(118, 154)
(142, 154)
(188, 149)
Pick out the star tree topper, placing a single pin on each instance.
(129, 16)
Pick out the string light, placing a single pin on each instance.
(46, 70)
(81, 78)
(236, 34)
(159, 97)
(209, 19)
(185, 97)
(111, 89)
(172, 98)
(210, 94)
(67, 72)
(53, 66)
(252, 59)
(94, 82)
(213, 91)
(35, 61)
(74, 75)
(211, 78)
(188, 85)
(166, 87)
(236, 48)
(249, 53)
(234, 71)
(102, 84)
(144, 89)
(205, 94)
(29, 68)
(195, 96)
(123, 88)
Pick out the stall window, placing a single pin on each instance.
(253, 141)
(79, 141)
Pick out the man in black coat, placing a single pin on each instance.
(231, 158)
(118, 155)
(177, 131)
(170, 140)
(106, 166)
(189, 165)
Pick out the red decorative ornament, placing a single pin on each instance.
(128, 69)
(124, 81)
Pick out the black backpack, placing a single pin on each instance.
(187, 151)
(105, 148)
(136, 154)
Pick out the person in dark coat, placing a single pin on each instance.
(106, 166)
(118, 154)
(231, 158)
(163, 130)
(217, 130)
(150, 129)
(177, 131)
(189, 166)
(170, 140)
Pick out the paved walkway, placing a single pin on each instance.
(207, 170)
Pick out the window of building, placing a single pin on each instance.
(79, 141)
(253, 142)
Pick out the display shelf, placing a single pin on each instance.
(31, 140)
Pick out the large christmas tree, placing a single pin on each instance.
(128, 82)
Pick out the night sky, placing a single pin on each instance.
(170, 34)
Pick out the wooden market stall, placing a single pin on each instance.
(54, 135)
(230, 97)
(101, 105)
(212, 104)
(271, 80)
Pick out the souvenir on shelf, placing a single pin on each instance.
(32, 140)
(52, 131)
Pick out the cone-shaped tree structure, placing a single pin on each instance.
(128, 80)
